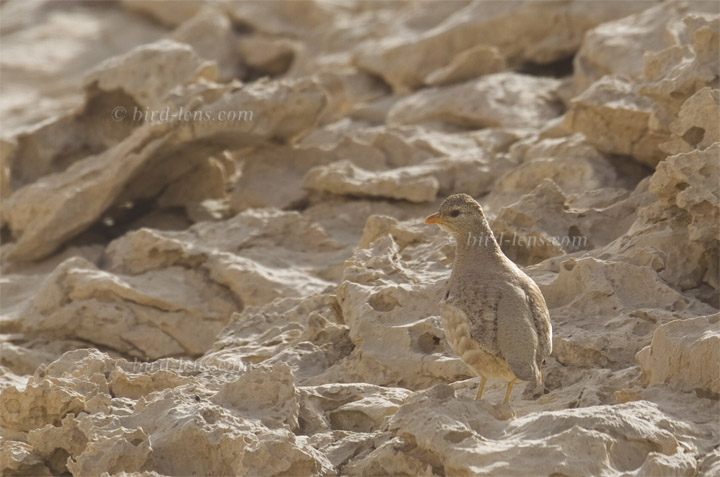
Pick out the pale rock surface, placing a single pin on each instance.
(697, 124)
(344, 178)
(615, 118)
(502, 99)
(635, 114)
(209, 32)
(549, 32)
(180, 63)
(619, 47)
(44, 214)
(48, 48)
(681, 352)
(261, 297)
(171, 14)
(471, 63)
(674, 74)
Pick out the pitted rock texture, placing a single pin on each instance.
(258, 295)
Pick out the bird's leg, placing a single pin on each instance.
(507, 393)
(483, 380)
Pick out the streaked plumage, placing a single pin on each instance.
(494, 315)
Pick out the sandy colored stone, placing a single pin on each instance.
(268, 240)
(680, 354)
(697, 124)
(344, 178)
(464, 446)
(618, 47)
(550, 32)
(502, 99)
(209, 32)
(18, 459)
(171, 13)
(674, 74)
(180, 63)
(152, 155)
(476, 61)
(616, 119)
(176, 301)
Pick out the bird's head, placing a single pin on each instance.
(459, 214)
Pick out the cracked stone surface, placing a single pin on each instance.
(260, 296)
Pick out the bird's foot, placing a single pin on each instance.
(481, 388)
(502, 411)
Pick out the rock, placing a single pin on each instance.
(697, 125)
(344, 178)
(171, 13)
(146, 320)
(406, 58)
(306, 334)
(209, 32)
(141, 165)
(19, 459)
(617, 120)
(266, 55)
(46, 213)
(635, 116)
(269, 240)
(151, 89)
(618, 47)
(395, 324)
(471, 440)
(502, 99)
(567, 161)
(473, 62)
(687, 181)
(47, 52)
(674, 74)
(259, 295)
(679, 352)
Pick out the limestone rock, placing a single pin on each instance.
(618, 47)
(268, 241)
(469, 441)
(259, 295)
(344, 178)
(616, 119)
(697, 124)
(209, 32)
(688, 181)
(130, 314)
(406, 58)
(473, 62)
(171, 13)
(141, 165)
(150, 90)
(18, 459)
(674, 74)
(502, 99)
(680, 352)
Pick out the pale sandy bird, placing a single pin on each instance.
(494, 315)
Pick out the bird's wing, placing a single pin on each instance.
(541, 321)
(480, 305)
(516, 334)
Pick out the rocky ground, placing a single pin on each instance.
(259, 296)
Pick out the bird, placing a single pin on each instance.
(494, 315)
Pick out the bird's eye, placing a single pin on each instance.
(454, 213)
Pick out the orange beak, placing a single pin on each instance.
(434, 219)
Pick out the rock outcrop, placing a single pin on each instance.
(214, 260)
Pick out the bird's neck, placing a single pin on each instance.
(477, 247)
